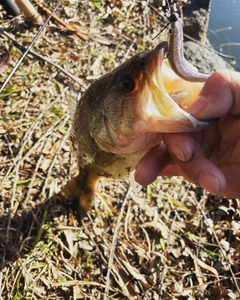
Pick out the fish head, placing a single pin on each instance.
(141, 99)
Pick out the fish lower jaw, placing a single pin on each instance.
(168, 116)
(181, 121)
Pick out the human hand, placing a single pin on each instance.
(211, 157)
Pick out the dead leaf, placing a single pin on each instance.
(5, 59)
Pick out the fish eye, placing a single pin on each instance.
(128, 84)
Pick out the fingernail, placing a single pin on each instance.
(198, 106)
(144, 176)
(177, 151)
(209, 182)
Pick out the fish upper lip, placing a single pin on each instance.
(165, 47)
(159, 95)
(162, 50)
(159, 55)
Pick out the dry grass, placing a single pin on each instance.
(171, 240)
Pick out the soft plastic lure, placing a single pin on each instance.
(176, 54)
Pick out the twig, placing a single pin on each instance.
(208, 48)
(165, 267)
(54, 158)
(44, 58)
(70, 27)
(219, 245)
(29, 47)
(114, 242)
(17, 159)
(77, 282)
(32, 180)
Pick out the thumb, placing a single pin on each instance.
(220, 94)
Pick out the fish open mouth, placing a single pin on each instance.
(169, 94)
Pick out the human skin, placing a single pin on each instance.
(209, 158)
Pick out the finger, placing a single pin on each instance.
(199, 170)
(181, 144)
(219, 95)
(234, 79)
(171, 170)
(152, 164)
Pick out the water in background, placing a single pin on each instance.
(224, 28)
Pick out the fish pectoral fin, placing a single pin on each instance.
(78, 193)
(105, 159)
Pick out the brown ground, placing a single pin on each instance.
(172, 240)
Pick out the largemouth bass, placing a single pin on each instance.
(122, 115)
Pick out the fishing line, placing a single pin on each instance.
(173, 17)
(160, 31)
(29, 47)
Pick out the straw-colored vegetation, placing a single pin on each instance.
(171, 240)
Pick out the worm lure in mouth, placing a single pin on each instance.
(176, 54)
